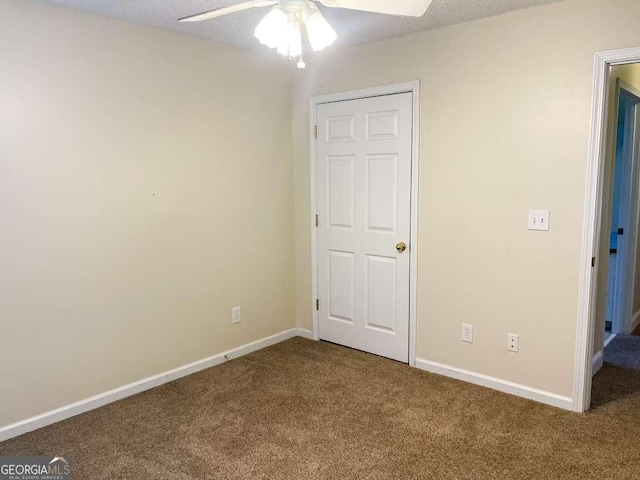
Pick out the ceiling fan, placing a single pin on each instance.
(283, 26)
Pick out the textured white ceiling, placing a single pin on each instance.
(237, 29)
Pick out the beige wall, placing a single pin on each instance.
(629, 74)
(505, 112)
(145, 190)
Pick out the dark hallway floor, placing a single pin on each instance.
(623, 351)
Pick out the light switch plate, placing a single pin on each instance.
(539, 220)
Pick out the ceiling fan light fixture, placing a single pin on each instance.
(291, 41)
(281, 31)
(272, 28)
(283, 26)
(319, 32)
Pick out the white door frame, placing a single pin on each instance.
(592, 222)
(408, 87)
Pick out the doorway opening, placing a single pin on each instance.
(620, 220)
(609, 295)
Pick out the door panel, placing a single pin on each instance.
(341, 128)
(364, 197)
(341, 283)
(382, 125)
(381, 282)
(341, 193)
(382, 192)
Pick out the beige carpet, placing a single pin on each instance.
(304, 409)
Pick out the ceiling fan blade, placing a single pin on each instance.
(218, 12)
(407, 8)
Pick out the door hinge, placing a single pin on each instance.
(315, 131)
(317, 304)
(593, 261)
(317, 223)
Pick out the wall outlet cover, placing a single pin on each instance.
(235, 315)
(467, 333)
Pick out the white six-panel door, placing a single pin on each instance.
(363, 207)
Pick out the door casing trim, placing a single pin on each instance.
(407, 87)
(592, 221)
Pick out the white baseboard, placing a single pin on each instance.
(304, 333)
(530, 393)
(82, 406)
(597, 362)
(635, 321)
(607, 340)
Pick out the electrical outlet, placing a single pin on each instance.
(467, 333)
(235, 315)
(512, 342)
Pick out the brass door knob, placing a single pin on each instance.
(401, 247)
